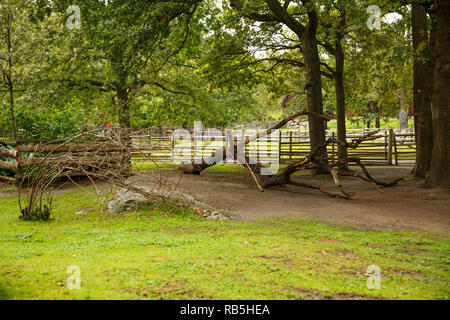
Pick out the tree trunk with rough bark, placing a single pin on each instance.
(423, 88)
(10, 81)
(340, 102)
(11, 100)
(314, 95)
(307, 36)
(439, 174)
(124, 107)
(124, 115)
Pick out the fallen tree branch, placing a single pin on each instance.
(9, 165)
(105, 159)
(313, 161)
(206, 163)
(319, 188)
(8, 179)
(9, 153)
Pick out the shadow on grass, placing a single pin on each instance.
(4, 292)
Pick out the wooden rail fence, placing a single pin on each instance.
(389, 147)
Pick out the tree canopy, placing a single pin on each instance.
(66, 65)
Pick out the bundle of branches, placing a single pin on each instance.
(311, 161)
(99, 158)
(7, 156)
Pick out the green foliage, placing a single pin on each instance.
(186, 61)
(379, 68)
(53, 124)
(215, 108)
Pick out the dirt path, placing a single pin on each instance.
(407, 206)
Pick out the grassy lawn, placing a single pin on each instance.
(160, 253)
(357, 123)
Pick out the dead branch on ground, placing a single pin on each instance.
(311, 161)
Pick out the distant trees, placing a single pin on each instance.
(120, 47)
(14, 34)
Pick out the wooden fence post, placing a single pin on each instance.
(395, 148)
(19, 173)
(290, 145)
(390, 145)
(172, 147)
(198, 145)
(280, 134)
(246, 146)
(386, 144)
(332, 148)
(150, 137)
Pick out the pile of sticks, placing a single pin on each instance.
(87, 155)
(8, 165)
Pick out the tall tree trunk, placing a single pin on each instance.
(11, 100)
(340, 102)
(307, 37)
(9, 79)
(376, 109)
(124, 116)
(439, 174)
(124, 106)
(314, 95)
(423, 88)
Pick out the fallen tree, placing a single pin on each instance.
(193, 168)
(311, 161)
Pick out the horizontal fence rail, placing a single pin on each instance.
(389, 146)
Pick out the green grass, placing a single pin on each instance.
(392, 123)
(160, 253)
(411, 178)
(152, 166)
(9, 188)
(147, 166)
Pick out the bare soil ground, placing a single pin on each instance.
(407, 206)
